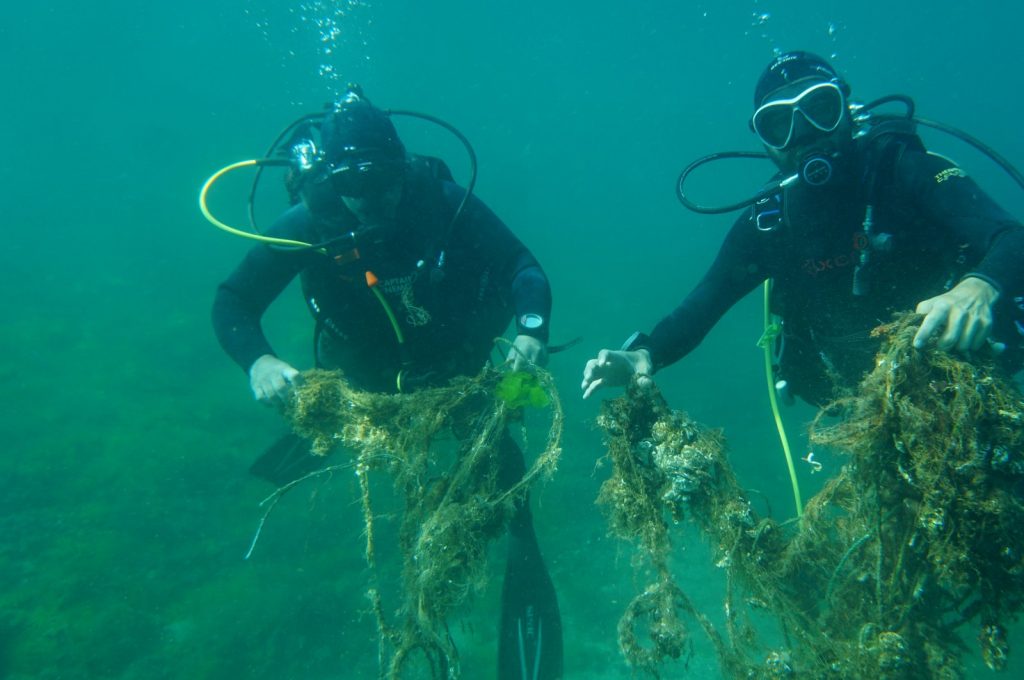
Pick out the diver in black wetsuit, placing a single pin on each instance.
(874, 225)
(451, 278)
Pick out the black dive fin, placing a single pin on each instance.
(530, 647)
(286, 460)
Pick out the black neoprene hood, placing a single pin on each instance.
(360, 129)
(791, 67)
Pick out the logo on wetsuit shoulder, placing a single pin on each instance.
(397, 285)
(949, 173)
(815, 266)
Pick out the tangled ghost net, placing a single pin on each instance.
(918, 538)
(441, 447)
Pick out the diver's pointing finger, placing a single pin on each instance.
(593, 386)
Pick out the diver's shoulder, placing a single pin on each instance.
(923, 171)
(426, 179)
(454, 194)
(926, 159)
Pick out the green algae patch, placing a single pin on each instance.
(520, 388)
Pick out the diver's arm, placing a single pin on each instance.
(249, 290)
(518, 274)
(531, 300)
(962, 317)
(237, 310)
(531, 297)
(735, 272)
(1003, 264)
(954, 204)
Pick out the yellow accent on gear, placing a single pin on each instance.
(775, 402)
(232, 230)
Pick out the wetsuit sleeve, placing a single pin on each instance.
(531, 296)
(517, 273)
(244, 296)
(735, 272)
(954, 202)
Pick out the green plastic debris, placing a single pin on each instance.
(519, 388)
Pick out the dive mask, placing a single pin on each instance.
(357, 176)
(821, 105)
(361, 176)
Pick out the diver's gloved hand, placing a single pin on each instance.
(963, 315)
(527, 351)
(271, 379)
(614, 368)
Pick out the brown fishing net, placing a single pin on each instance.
(440, 447)
(919, 538)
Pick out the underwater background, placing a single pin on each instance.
(125, 502)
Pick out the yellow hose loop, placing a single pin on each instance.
(232, 230)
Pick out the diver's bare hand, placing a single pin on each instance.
(614, 368)
(527, 351)
(963, 315)
(272, 379)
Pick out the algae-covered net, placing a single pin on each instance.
(912, 550)
(454, 504)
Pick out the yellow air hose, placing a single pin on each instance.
(232, 230)
(771, 331)
(371, 283)
(371, 279)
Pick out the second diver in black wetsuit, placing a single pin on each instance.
(453, 277)
(874, 225)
